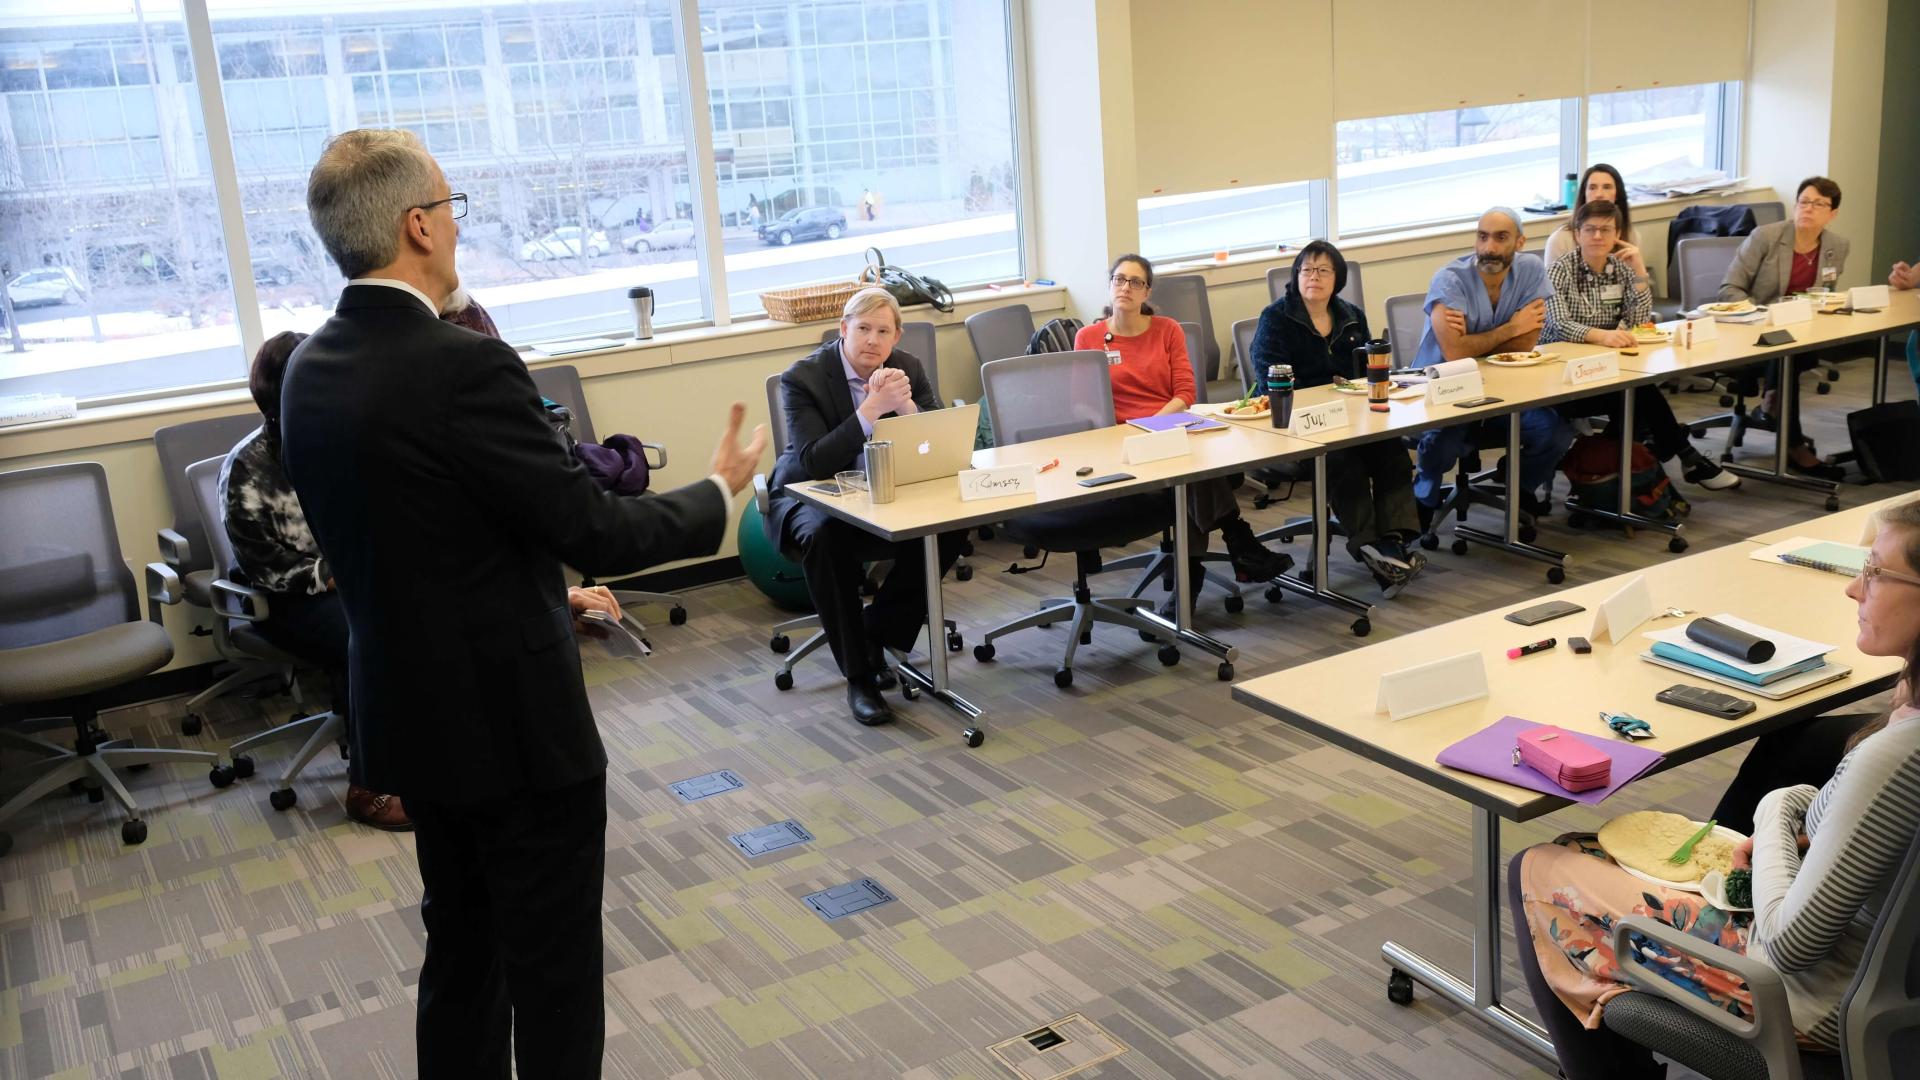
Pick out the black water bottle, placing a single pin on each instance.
(1280, 394)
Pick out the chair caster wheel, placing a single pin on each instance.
(133, 832)
(1834, 375)
(191, 724)
(954, 641)
(1236, 604)
(221, 776)
(973, 735)
(1556, 574)
(1833, 503)
(1274, 593)
(1528, 534)
(296, 716)
(95, 794)
(1576, 519)
(1429, 541)
(142, 767)
(1822, 388)
(983, 653)
(1147, 637)
(1677, 544)
(6, 843)
(1726, 401)
(677, 616)
(1458, 547)
(242, 766)
(1029, 552)
(783, 680)
(74, 787)
(1168, 655)
(984, 532)
(909, 691)
(1224, 672)
(1362, 626)
(1063, 678)
(963, 573)
(283, 799)
(1086, 637)
(780, 644)
(1400, 988)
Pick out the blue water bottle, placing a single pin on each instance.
(1569, 188)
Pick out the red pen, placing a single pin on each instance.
(1055, 463)
(1528, 650)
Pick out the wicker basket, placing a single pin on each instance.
(808, 302)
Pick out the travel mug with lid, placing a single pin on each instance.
(1280, 394)
(642, 298)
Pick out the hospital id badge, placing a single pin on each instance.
(1114, 358)
(1612, 292)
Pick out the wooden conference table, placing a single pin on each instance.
(1333, 699)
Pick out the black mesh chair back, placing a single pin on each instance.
(916, 340)
(1406, 322)
(1183, 298)
(61, 574)
(1766, 213)
(1880, 1016)
(1047, 394)
(179, 446)
(203, 480)
(1000, 332)
(1703, 263)
(1243, 348)
(1196, 357)
(776, 415)
(561, 383)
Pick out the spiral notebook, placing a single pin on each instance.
(1843, 559)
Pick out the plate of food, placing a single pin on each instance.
(1649, 334)
(1729, 307)
(1252, 408)
(1350, 386)
(1643, 843)
(1517, 359)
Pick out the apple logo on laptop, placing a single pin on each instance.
(925, 447)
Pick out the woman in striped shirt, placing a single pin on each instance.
(1823, 861)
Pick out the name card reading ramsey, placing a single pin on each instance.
(998, 483)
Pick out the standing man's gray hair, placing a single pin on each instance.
(363, 185)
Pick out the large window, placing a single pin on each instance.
(1237, 219)
(109, 233)
(1667, 134)
(839, 126)
(1397, 171)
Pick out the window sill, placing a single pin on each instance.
(136, 421)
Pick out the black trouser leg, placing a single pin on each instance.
(1350, 497)
(900, 607)
(834, 554)
(1806, 753)
(514, 948)
(1665, 432)
(1584, 1055)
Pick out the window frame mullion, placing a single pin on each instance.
(225, 176)
(703, 175)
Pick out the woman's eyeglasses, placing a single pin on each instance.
(1814, 204)
(1316, 271)
(1871, 573)
(1128, 282)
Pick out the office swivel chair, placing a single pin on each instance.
(1000, 332)
(561, 384)
(1183, 298)
(1879, 1016)
(183, 546)
(70, 629)
(1038, 397)
(241, 611)
(782, 641)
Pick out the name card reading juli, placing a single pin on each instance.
(1599, 367)
(1314, 419)
(998, 483)
(1154, 446)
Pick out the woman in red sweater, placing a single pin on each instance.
(1147, 360)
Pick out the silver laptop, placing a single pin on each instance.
(930, 445)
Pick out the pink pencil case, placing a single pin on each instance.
(1560, 757)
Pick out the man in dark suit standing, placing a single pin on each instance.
(434, 484)
(831, 399)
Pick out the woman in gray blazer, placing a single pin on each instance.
(1791, 257)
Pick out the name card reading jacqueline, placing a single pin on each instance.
(976, 484)
(1455, 380)
(1431, 686)
(1599, 367)
(1314, 419)
(1786, 312)
(1868, 296)
(1154, 446)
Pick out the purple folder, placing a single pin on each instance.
(1177, 420)
(1489, 752)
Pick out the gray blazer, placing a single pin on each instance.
(1762, 265)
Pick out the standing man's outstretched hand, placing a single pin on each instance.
(732, 462)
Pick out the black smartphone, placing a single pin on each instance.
(1477, 402)
(1701, 699)
(1110, 478)
(1539, 613)
(826, 487)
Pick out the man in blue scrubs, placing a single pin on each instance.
(1487, 302)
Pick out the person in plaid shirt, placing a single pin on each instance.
(1600, 294)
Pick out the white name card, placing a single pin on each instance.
(1868, 296)
(1314, 419)
(1455, 380)
(1154, 446)
(1620, 613)
(1430, 686)
(1599, 367)
(1784, 312)
(998, 483)
(1694, 331)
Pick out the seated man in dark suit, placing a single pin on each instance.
(427, 470)
(832, 399)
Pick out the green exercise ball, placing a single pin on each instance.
(771, 572)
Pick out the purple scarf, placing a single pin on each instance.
(619, 464)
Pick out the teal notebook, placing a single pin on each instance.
(1843, 559)
(1707, 663)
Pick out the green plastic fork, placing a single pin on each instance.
(1680, 857)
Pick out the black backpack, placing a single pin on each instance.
(1886, 440)
(1056, 336)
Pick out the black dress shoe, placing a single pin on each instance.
(868, 706)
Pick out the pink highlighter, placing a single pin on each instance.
(1528, 650)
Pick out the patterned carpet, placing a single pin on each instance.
(1208, 888)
